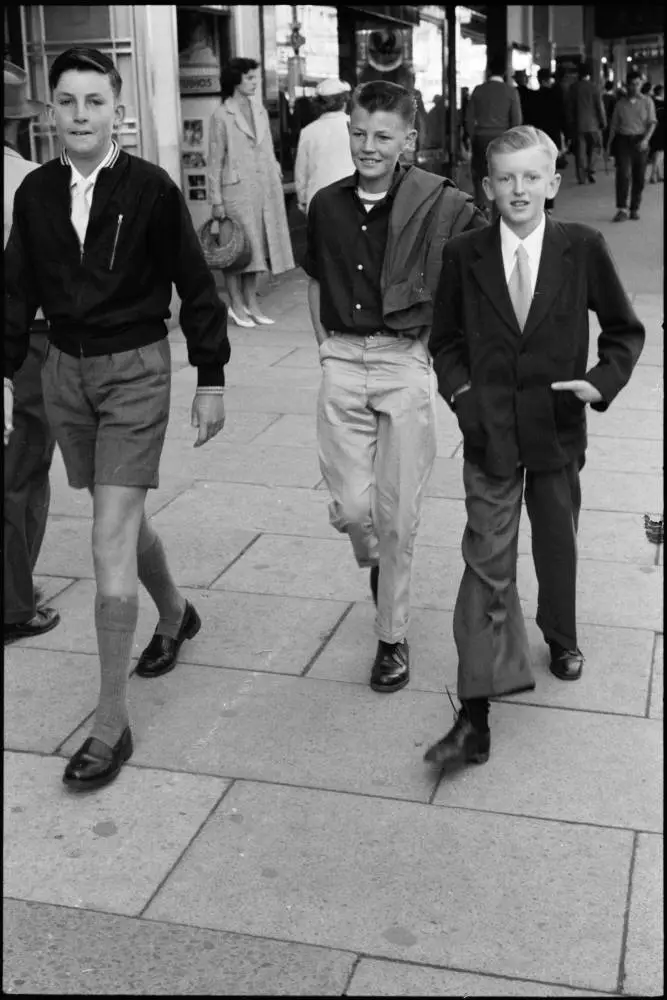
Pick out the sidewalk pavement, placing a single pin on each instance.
(277, 832)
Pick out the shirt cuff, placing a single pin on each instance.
(210, 375)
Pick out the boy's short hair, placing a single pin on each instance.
(521, 137)
(233, 73)
(381, 95)
(85, 60)
(634, 74)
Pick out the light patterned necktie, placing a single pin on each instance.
(519, 286)
(81, 208)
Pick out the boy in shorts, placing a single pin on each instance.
(98, 238)
(510, 347)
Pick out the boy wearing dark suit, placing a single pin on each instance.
(510, 346)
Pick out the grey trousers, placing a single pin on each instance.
(376, 435)
(489, 628)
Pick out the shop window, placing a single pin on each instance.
(48, 30)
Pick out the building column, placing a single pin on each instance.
(157, 48)
(246, 35)
(543, 47)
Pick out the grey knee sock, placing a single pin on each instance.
(115, 622)
(156, 578)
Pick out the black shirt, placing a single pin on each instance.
(345, 252)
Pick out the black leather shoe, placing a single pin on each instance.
(95, 764)
(463, 744)
(159, 656)
(566, 664)
(43, 621)
(391, 670)
(375, 576)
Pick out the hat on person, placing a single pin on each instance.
(331, 87)
(16, 104)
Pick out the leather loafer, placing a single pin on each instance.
(375, 577)
(566, 664)
(391, 670)
(95, 764)
(43, 621)
(463, 744)
(159, 656)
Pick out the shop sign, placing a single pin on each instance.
(197, 83)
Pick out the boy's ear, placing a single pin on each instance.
(488, 189)
(410, 140)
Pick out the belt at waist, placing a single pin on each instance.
(400, 334)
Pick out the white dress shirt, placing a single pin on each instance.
(82, 189)
(509, 242)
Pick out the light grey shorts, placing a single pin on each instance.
(109, 413)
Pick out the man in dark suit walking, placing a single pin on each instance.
(587, 123)
(547, 112)
(510, 349)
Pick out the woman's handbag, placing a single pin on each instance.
(225, 244)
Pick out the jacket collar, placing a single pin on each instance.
(554, 270)
(261, 122)
(107, 163)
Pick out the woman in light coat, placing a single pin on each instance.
(323, 154)
(245, 184)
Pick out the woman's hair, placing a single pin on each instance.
(233, 73)
(381, 95)
(521, 137)
(335, 102)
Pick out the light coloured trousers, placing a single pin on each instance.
(376, 435)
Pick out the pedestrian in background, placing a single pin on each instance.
(587, 123)
(29, 450)
(548, 115)
(373, 257)
(98, 238)
(657, 142)
(632, 125)
(494, 106)
(323, 154)
(525, 95)
(245, 184)
(609, 98)
(519, 392)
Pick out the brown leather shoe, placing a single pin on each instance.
(566, 664)
(463, 744)
(161, 653)
(391, 670)
(95, 764)
(43, 621)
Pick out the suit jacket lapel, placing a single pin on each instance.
(490, 276)
(235, 109)
(555, 268)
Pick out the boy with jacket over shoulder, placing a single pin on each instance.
(374, 247)
(510, 348)
(97, 239)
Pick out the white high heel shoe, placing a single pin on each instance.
(261, 318)
(238, 320)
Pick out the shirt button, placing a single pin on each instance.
(364, 228)
(358, 305)
(360, 267)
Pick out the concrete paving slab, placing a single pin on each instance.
(266, 399)
(624, 423)
(608, 593)
(250, 507)
(240, 428)
(301, 357)
(51, 586)
(68, 550)
(407, 881)
(610, 536)
(581, 767)
(442, 524)
(287, 380)
(621, 656)
(292, 429)
(436, 575)
(624, 455)
(47, 694)
(106, 851)
(644, 391)
(656, 707)
(269, 466)
(289, 730)
(629, 491)
(446, 479)
(53, 949)
(377, 978)
(644, 959)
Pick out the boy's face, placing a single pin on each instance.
(520, 182)
(85, 113)
(376, 142)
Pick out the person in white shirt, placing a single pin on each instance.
(29, 444)
(323, 154)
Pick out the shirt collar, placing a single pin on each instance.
(108, 161)
(399, 173)
(509, 241)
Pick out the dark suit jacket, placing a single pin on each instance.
(511, 415)
(547, 112)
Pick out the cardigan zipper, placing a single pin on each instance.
(115, 242)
